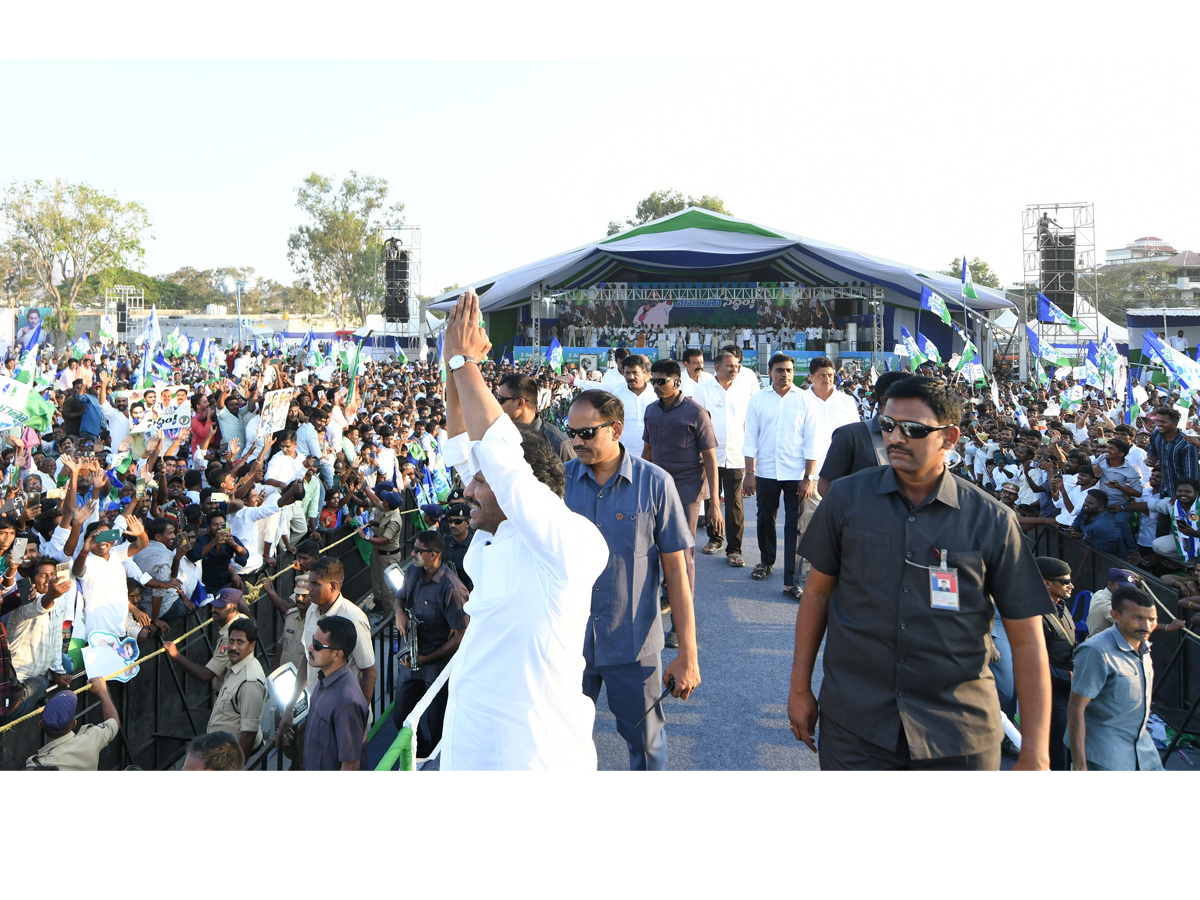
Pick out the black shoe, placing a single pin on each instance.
(671, 642)
(664, 604)
(1009, 749)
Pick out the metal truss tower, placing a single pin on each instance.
(1059, 253)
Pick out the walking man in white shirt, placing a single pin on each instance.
(635, 396)
(726, 398)
(774, 457)
(693, 375)
(826, 408)
(515, 685)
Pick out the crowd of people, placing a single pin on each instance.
(557, 555)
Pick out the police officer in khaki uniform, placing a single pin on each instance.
(243, 693)
(239, 705)
(226, 607)
(68, 750)
(385, 540)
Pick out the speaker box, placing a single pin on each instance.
(1058, 271)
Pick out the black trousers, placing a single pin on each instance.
(1060, 696)
(409, 693)
(769, 491)
(735, 516)
(841, 750)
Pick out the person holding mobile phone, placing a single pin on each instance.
(102, 581)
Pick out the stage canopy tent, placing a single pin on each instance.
(697, 245)
(1169, 320)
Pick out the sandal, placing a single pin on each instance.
(760, 572)
(795, 592)
(735, 560)
(710, 548)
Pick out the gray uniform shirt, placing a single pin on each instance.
(1119, 681)
(891, 660)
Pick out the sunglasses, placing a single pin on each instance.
(1061, 580)
(317, 645)
(586, 433)
(659, 382)
(503, 400)
(457, 520)
(914, 430)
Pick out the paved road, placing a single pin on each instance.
(737, 719)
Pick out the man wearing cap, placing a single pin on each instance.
(227, 605)
(387, 531)
(243, 692)
(1099, 615)
(457, 533)
(102, 577)
(66, 749)
(1058, 629)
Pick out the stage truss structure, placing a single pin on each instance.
(135, 310)
(409, 238)
(1076, 223)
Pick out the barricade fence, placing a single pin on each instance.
(1176, 655)
(161, 709)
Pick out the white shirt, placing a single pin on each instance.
(284, 469)
(774, 436)
(749, 377)
(1077, 495)
(35, 635)
(635, 415)
(820, 418)
(1178, 343)
(118, 424)
(364, 650)
(515, 697)
(688, 386)
(727, 409)
(613, 378)
(1136, 457)
(105, 599)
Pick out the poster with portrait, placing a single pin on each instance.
(275, 408)
(29, 319)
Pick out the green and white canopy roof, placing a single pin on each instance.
(697, 245)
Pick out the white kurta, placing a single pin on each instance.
(516, 691)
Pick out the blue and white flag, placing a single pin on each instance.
(1182, 368)
(935, 304)
(151, 336)
(554, 355)
(1131, 405)
(244, 322)
(1044, 351)
(914, 352)
(1048, 312)
(928, 348)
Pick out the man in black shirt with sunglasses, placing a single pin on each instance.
(909, 564)
(457, 531)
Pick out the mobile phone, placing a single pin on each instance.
(224, 529)
(62, 570)
(139, 490)
(219, 497)
(54, 494)
(107, 536)
(18, 548)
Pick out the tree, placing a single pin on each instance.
(67, 232)
(1134, 284)
(16, 276)
(664, 203)
(336, 252)
(981, 272)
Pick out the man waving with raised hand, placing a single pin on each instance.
(515, 700)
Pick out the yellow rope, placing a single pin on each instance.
(252, 594)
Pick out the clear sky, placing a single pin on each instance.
(914, 135)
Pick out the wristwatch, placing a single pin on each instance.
(457, 361)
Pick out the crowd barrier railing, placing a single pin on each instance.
(162, 709)
(1176, 655)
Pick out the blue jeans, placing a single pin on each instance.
(1003, 671)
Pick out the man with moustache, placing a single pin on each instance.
(243, 692)
(908, 565)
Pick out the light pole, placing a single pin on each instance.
(240, 287)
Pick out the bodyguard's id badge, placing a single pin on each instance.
(943, 586)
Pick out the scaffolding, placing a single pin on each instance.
(134, 299)
(409, 239)
(1059, 254)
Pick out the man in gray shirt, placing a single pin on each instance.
(909, 564)
(1111, 688)
(336, 730)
